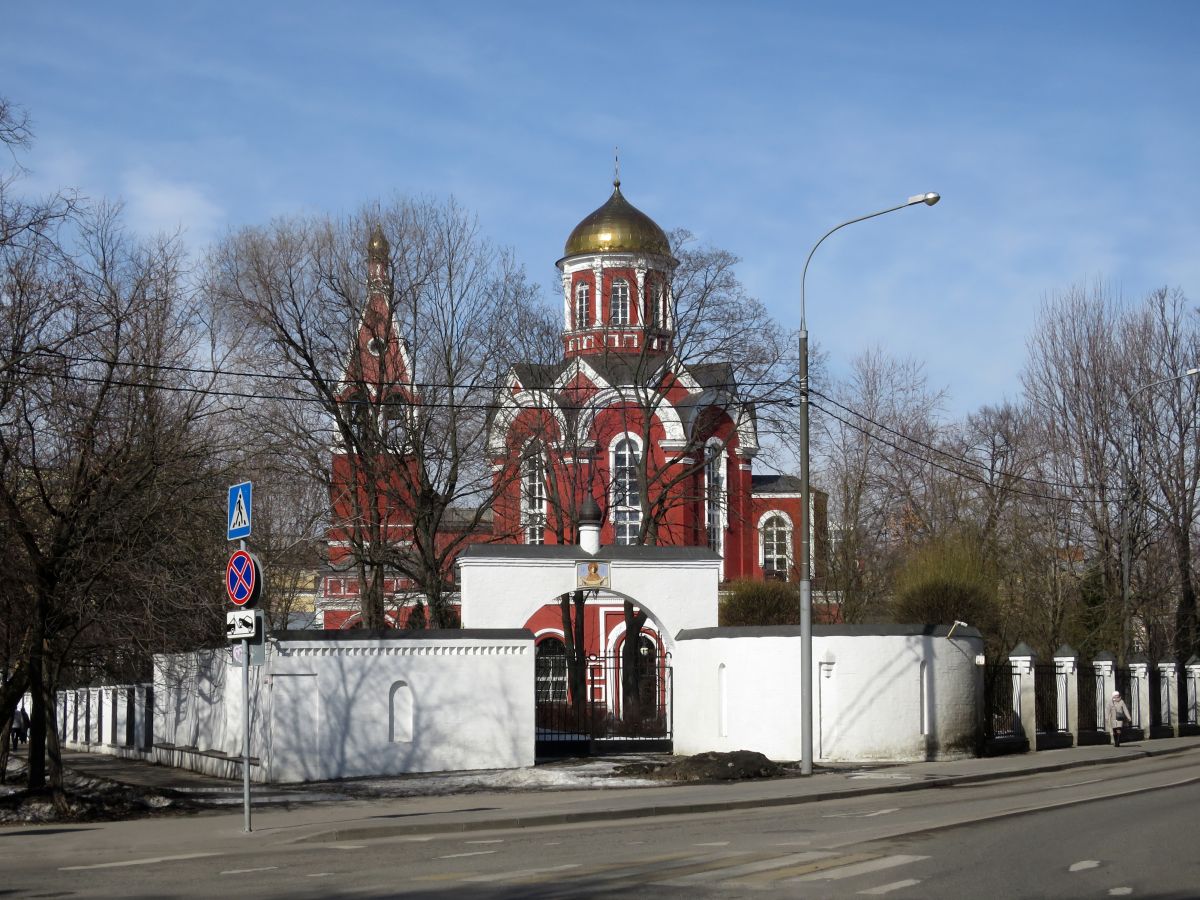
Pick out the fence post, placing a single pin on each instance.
(1106, 668)
(1022, 659)
(1139, 675)
(1066, 662)
(1191, 715)
(1168, 695)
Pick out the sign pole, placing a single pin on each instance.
(245, 725)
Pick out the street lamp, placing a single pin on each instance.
(1127, 476)
(806, 740)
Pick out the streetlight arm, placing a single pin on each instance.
(928, 199)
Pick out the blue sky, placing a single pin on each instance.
(1063, 138)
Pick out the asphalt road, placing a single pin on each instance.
(1124, 830)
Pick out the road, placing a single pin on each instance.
(1117, 830)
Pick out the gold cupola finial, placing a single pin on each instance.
(377, 247)
(616, 167)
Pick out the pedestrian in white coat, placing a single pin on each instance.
(1118, 716)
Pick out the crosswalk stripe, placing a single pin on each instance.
(863, 868)
(894, 886)
(751, 868)
(807, 870)
(522, 874)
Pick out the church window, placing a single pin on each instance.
(533, 499)
(654, 303)
(620, 302)
(583, 296)
(775, 533)
(550, 670)
(626, 502)
(714, 496)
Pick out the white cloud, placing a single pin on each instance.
(155, 204)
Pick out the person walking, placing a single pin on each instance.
(1118, 716)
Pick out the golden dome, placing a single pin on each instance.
(377, 246)
(619, 226)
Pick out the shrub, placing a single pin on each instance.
(760, 603)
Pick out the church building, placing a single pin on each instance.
(662, 447)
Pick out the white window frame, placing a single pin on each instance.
(716, 513)
(623, 514)
(533, 502)
(583, 305)
(618, 313)
(790, 532)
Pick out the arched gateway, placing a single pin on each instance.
(594, 686)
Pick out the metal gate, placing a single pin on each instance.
(616, 714)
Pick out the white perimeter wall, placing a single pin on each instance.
(343, 706)
(876, 696)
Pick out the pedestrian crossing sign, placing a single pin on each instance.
(240, 496)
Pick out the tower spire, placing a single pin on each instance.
(616, 167)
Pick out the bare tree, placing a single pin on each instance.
(395, 372)
(106, 458)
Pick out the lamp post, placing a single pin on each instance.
(806, 740)
(1127, 476)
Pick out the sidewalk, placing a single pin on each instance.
(364, 819)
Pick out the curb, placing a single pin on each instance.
(682, 809)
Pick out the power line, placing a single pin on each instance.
(967, 476)
(963, 459)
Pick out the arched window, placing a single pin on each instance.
(583, 296)
(533, 499)
(620, 302)
(626, 496)
(775, 541)
(550, 670)
(714, 496)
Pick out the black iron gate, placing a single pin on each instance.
(617, 713)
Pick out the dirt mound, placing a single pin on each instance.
(734, 766)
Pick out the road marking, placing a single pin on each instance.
(461, 855)
(347, 846)
(789, 872)
(726, 873)
(319, 874)
(713, 844)
(1120, 892)
(494, 841)
(894, 886)
(520, 874)
(1079, 783)
(853, 815)
(863, 868)
(1083, 864)
(244, 871)
(148, 861)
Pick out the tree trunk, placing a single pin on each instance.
(372, 597)
(573, 638)
(1187, 641)
(37, 715)
(10, 698)
(631, 676)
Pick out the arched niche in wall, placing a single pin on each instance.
(400, 718)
